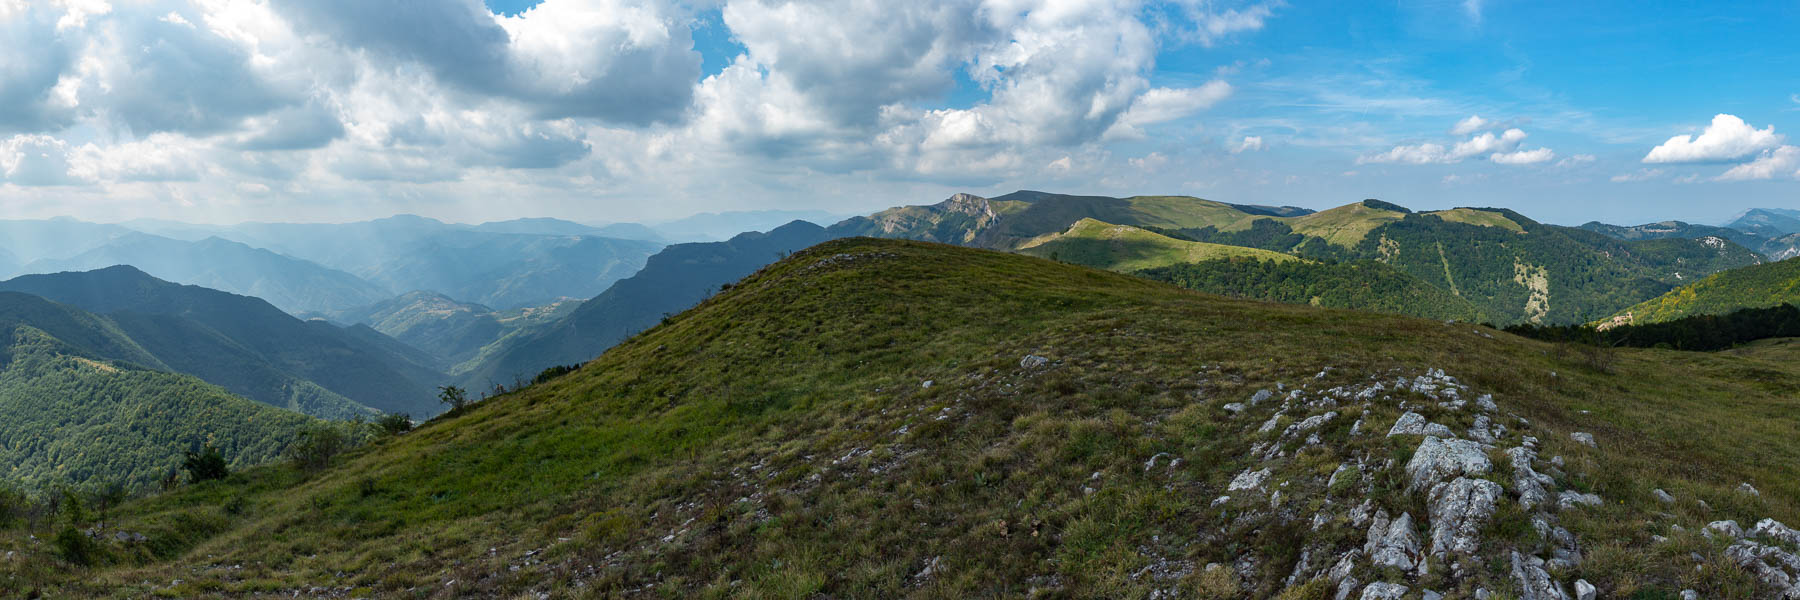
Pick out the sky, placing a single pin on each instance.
(220, 111)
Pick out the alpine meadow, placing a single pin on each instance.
(842, 299)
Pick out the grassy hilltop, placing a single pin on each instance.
(878, 419)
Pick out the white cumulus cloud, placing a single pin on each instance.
(1471, 125)
(1523, 157)
(1250, 143)
(1783, 161)
(1728, 138)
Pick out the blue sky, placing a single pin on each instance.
(614, 110)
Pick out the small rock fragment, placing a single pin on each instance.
(1584, 590)
(1662, 496)
(1381, 590)
(1585, 439)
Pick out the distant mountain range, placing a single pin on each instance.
(240, 343)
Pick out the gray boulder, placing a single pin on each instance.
(1584, 590)
(1393, 544)
(1527, 481)
(1439, 459)
(1772, 566)
(1248, 480)
(1662, 496)
(1033, 361)
(1585, 439)
(1571, 498)
(1381, 590)
(1534, 582)
(1773, 529)
(1459, 509)
(1413, 423)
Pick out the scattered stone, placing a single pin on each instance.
(1766, 562)
(1413, 423)
(1309, 424)
(1270, 424)
(1261, 396)
(1766, 528)
(926, 385)
(1459, 509)
(1393, 544)
(1221, 500)
(1584, 590)
(931, 568)
(1151, 464)
(1534, 582)
(1662, 496)
(1432, 595)
(1437, 460)
(1235, 407)
(1248, 480)
(1571, 498)
(1528, 482)
(1486, 402)
(1748, 489)
(1727, 528)
(1690, 595)
(1381, 590)
(1586, 439)
(1033, 361)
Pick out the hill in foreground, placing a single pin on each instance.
(897, 419)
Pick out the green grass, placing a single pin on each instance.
(1345, 225)
(1484, 218)
(1093, 243)
(779, 441)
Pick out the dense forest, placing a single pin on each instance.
(1750, 287)
(1361, 285)
(1701, 333)
(66, 419)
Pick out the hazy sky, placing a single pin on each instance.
(616, 110)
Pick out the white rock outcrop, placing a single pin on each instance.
(1459, 509)
(1413, 423)
(1439, 459)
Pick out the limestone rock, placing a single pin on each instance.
(1033, 361)
(1773, 529)
(1413, 423)
(1571, 498)
(1584, 590)
(1261, 396)
(1527, 481)
(1309, 424)
(1248, 480)
(1772, 566)
(1438, 459)
(1383, 591)
(1459, 509)
(1662, 496)
(1393, 544)
(1534, 581)
(1585, 439)
(1728, 528)
(1748, 489)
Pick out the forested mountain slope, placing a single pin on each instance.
(1756, 286)
(245, 344)
(878, 418)
(72, 418)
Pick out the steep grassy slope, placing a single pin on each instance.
(672, 281)
(246, 345)
(1346, 225)
(70, 418)
(1756, 286)
(896, 419)
(1125, 248)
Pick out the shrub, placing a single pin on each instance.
(394, 423)
(454, 396)
(315, 446)
(205, 465)
(553, 373)
(13, 505)
(76, 547)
